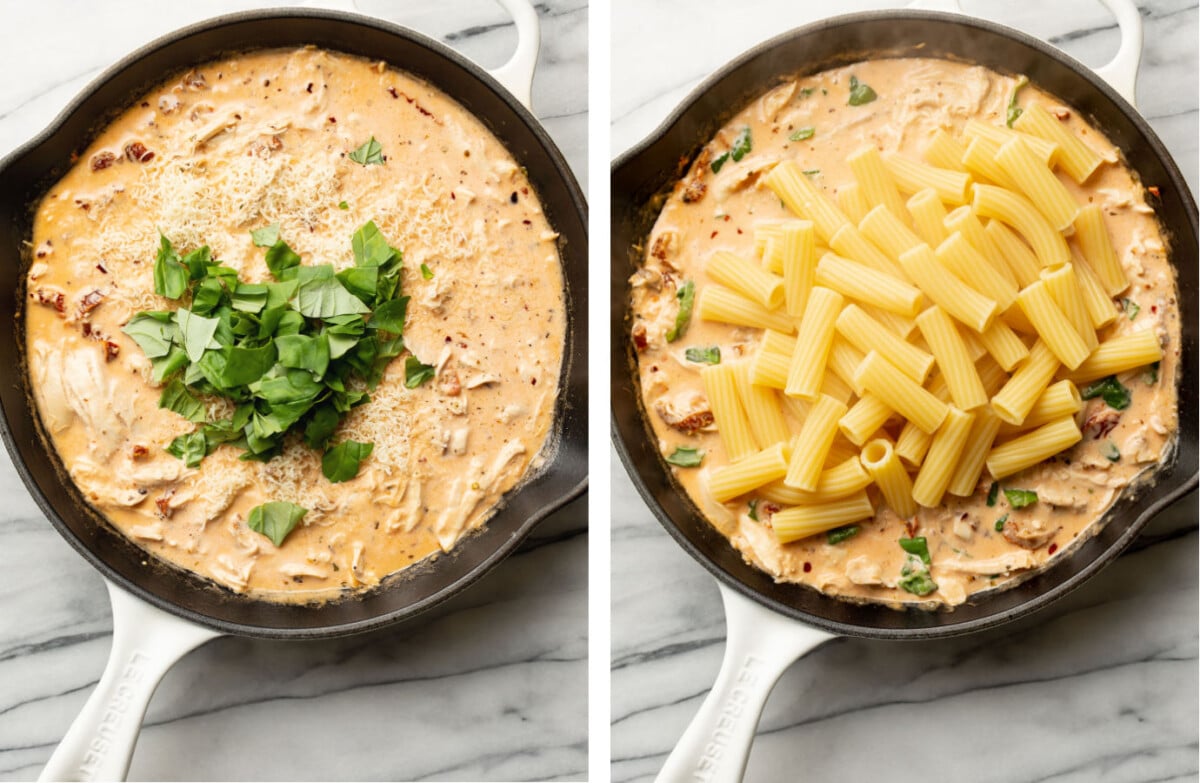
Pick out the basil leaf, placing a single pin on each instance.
(860, 93)
(198, 262)
(281, 260)
(802, 134)
(154, 332)
(416, 373)
(807, 91)
(275, 520)
(687, 298)
(840, 534)
(369, 153)
(320, 427)
(811, 172)
(197, 332)
(304, 353)
(426, 272)
(1131, 308)
(1020, 498)
(916, 546)
(1015, 111)
(207, 296)
(718, 162)
(741, 145)
(917, 583)
(1000, 523)
(166, 366)
(265, 236)
(250, 297)
(371, 248)
(243, 366)
(993, 493)
(192, 448)
(175, 397)
(1110, 451)
(322, 298)
(1110, 389)
(341, 463)
(709, 355)
(1150, 376)
(686, 457)
(360, 281)
(753, 513)
(279, 294)
(343, 205)
(170, 275)
(287, 387)
(389, 316)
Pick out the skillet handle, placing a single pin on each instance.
(759, 646)
(1121, 71)
(517, 74)
(146, 642)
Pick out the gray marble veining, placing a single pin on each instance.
(1100, 686)
(490, 686)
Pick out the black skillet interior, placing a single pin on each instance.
(638, 181)
(29, 171)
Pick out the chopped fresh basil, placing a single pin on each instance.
(176, 397)
(807, 91)
(154, 332)
(282, 260)
(753, 513)
(860, 93)
(1150, 376)
(426, 272)
(1130, 307)
(1110, 389)
(343, 205)
(1110, 451)
(741, 145)
(369, 153)
(1000, 523)
(916, 546)
(708, 355)
(198, 333)
(170, 275)
(1015, 111)
(275, 520)
(802, 134)
(265, 236)
(811, 172)
(341, 462)
(416, 373)
(191, 448)
(686, 457)
(915, 578)
(718, 162)
(326, 297)
(840, 534)
(687, 298)
(993, 493)
(1020, 498)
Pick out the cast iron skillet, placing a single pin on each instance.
(642, 175)
(29, 171)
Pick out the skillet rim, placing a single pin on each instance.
(1041, 598)
(563, 466)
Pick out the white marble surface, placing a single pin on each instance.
(491, 686)
(1101, 686)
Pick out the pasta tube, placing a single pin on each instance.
(746, 279)
(1033, 447)
(812, 444)
(849, 242)
(798, 522)
(900, 392)
(1021, 260)
(844, 359)
(952, 357)
(1044, 151)
(717, 303)
(1064, 288)
(793, 187)
(1017, 397)
(1100, 307)
(965, 221)
(948, 443)
(864, 284)
(1097, 249)
(912, 176)
(866, 334)
(720, 386)
(945, 151)
(969, 468)
(969, 265)
(852, 201)
(888, 232)
(763, 467)
(881, 462)
(928, 216)
(1074, 157)
(799, 265)
(864, 418)
(876, 181)
(912, 444)
(1052, 325)
(1118, 354)
(1044, 190)
(1003, 344)
(947, 291)
(812, 343)
(762, 409)
(1015, 210)
(1058, 400)
(845, 478)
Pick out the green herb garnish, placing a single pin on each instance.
(294, 355)
(741, 145)
(915, 578)
(1110, 451)
(686, 457)
(860, 93)
(993, 493)
(802, 134)
(369, 153)
(708, 355)
(811, 172)
(1015, 111)
(840, 534)
(1150, 376)
(916, 546)
(275, 520)
(426, 272)
(341, 462)
(719, 161)
(1110, 389)
(687, 298)
(1000, 523)
(170, 274)
(753, 513)
(416, 373)
(1020, 498)
(343, 205)
(807, 91)
(1130, 307)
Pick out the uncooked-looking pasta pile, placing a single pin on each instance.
(927, 333)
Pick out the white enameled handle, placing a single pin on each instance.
(1121, 71)
(146, 642)
(517, 74)
(759, 646)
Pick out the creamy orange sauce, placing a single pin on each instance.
(969, 555)
(259, 138)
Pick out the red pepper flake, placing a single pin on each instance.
(807, 566)
(103, 271)
(1154, 308)
(1062, 114)
(1053, 548)
(533, 381)
(727, 218)
(513, 197)
(138, 451)
(393, 93)
(1154, 191)
(452, 196)
(713, 235)
(739, 231)
(308, 88)
(333, 119)
(527, 222)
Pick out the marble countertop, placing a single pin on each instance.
(1100, 686)
(490, 686)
